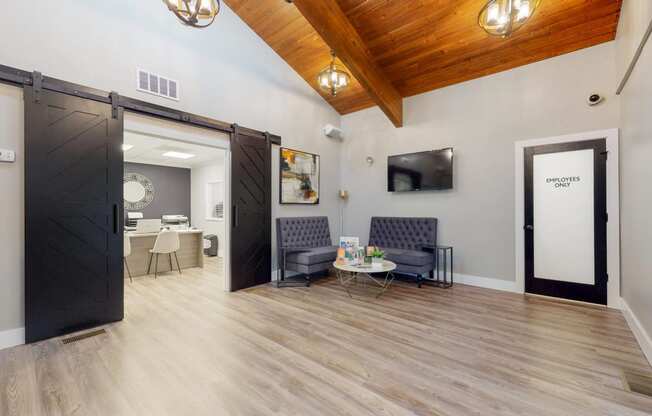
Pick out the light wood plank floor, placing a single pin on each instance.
(186, 348)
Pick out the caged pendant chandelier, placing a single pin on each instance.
(195, 13)
(504, 17)
(333, 79)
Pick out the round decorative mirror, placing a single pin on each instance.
(138, 191)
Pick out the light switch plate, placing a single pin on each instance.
(8, 156)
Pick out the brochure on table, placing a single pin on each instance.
(350, 253)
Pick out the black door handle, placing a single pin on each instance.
(528, 227)
(236, 220)
(116, 223)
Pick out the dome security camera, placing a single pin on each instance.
(594, 99)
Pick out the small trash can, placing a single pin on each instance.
(210, 245)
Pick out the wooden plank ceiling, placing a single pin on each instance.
(421, 45)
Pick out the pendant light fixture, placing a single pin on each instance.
(503, 17)
(333, 78)
(195, 13)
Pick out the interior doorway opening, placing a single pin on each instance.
(176, 179)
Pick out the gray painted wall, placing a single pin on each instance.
(12, 210)
(481, 120)
(636, 164)
(171, 189)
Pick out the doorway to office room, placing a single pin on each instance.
(175, 187)
(74, 202)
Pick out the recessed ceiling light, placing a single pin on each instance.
(178, 155)
(126, 147)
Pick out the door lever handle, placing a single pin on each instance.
(236, 220)
(528, 227)
(115, 219)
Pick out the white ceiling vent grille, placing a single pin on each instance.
(157, 85)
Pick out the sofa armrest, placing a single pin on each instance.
(430, 248)
(289, 250)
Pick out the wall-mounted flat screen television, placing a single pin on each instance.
(423, 171)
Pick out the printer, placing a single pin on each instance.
(175, 222)
(132, 219)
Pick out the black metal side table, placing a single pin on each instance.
(443, 275)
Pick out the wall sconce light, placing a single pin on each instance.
(344, 196)
(369, 160)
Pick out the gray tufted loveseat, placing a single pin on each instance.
(408, 242)
(304, 245)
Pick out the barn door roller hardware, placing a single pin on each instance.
(37, 85)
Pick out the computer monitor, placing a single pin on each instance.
(148, 226)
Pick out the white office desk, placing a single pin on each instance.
(190, 254)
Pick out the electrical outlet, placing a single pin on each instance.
(8, 156)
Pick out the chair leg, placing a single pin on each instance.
(170, 258)
(281, 277)
(149, 268)
(156, 268)
(128, 271)
(177, 259)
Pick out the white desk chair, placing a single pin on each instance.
(127, 253)
(167, 242)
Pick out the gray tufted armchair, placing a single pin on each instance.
(304, 245)
(408, 242)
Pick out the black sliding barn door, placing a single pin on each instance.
(73, 205)
(251, 232)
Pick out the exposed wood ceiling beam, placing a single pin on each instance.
(331, 23)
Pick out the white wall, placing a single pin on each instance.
(481, 120)
(226, 72)
(636, 167)
(200, 177)
(635, 16)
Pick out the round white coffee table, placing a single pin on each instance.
(346, 273)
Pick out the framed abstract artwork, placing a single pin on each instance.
(299, 177)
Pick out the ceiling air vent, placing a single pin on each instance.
(157, 85)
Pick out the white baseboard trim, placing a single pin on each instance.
(640, 333)
(486, 282)
(12, 337)
(466, 279)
